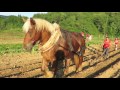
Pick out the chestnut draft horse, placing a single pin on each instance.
(55, 45)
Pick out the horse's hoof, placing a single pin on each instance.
(65, 72)
(78, 70)
(59, 74)
(91, 63)
(49, 74)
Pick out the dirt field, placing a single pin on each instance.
(26, 65)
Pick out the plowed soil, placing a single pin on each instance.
(27, 65)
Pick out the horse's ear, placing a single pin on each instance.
(32, 21)
(24, 20)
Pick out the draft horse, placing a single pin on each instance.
(55, 44)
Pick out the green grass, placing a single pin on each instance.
(99, 40)
(95, 41)
(10, 48)
(15, 33)
(11, 36)
(13, 48)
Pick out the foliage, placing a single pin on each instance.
(11, 22)
(89, 22)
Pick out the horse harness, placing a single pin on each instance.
(69, 36)
(56, 37)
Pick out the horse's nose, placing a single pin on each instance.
(28, 47)
(24, 47)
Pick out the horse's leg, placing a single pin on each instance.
(80, 64)
(43, 65)
(67, 64)
(45, 69)
(76, 61)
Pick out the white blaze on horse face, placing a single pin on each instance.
(27, 26)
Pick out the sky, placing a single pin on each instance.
(28, 14)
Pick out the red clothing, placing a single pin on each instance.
(106, 44)
(116, 41)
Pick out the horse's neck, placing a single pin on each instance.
(45, 37)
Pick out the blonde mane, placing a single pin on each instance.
(41, 24)
(56, 26)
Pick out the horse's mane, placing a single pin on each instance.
(41, 24)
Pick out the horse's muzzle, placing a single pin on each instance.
(28, 47)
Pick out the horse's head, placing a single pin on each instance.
(31, 35)
(37, 30)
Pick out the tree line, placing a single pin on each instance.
(89, 22)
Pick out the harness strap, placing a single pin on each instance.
(80, 52)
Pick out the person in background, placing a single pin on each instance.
(106, 46)
(116, 43)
